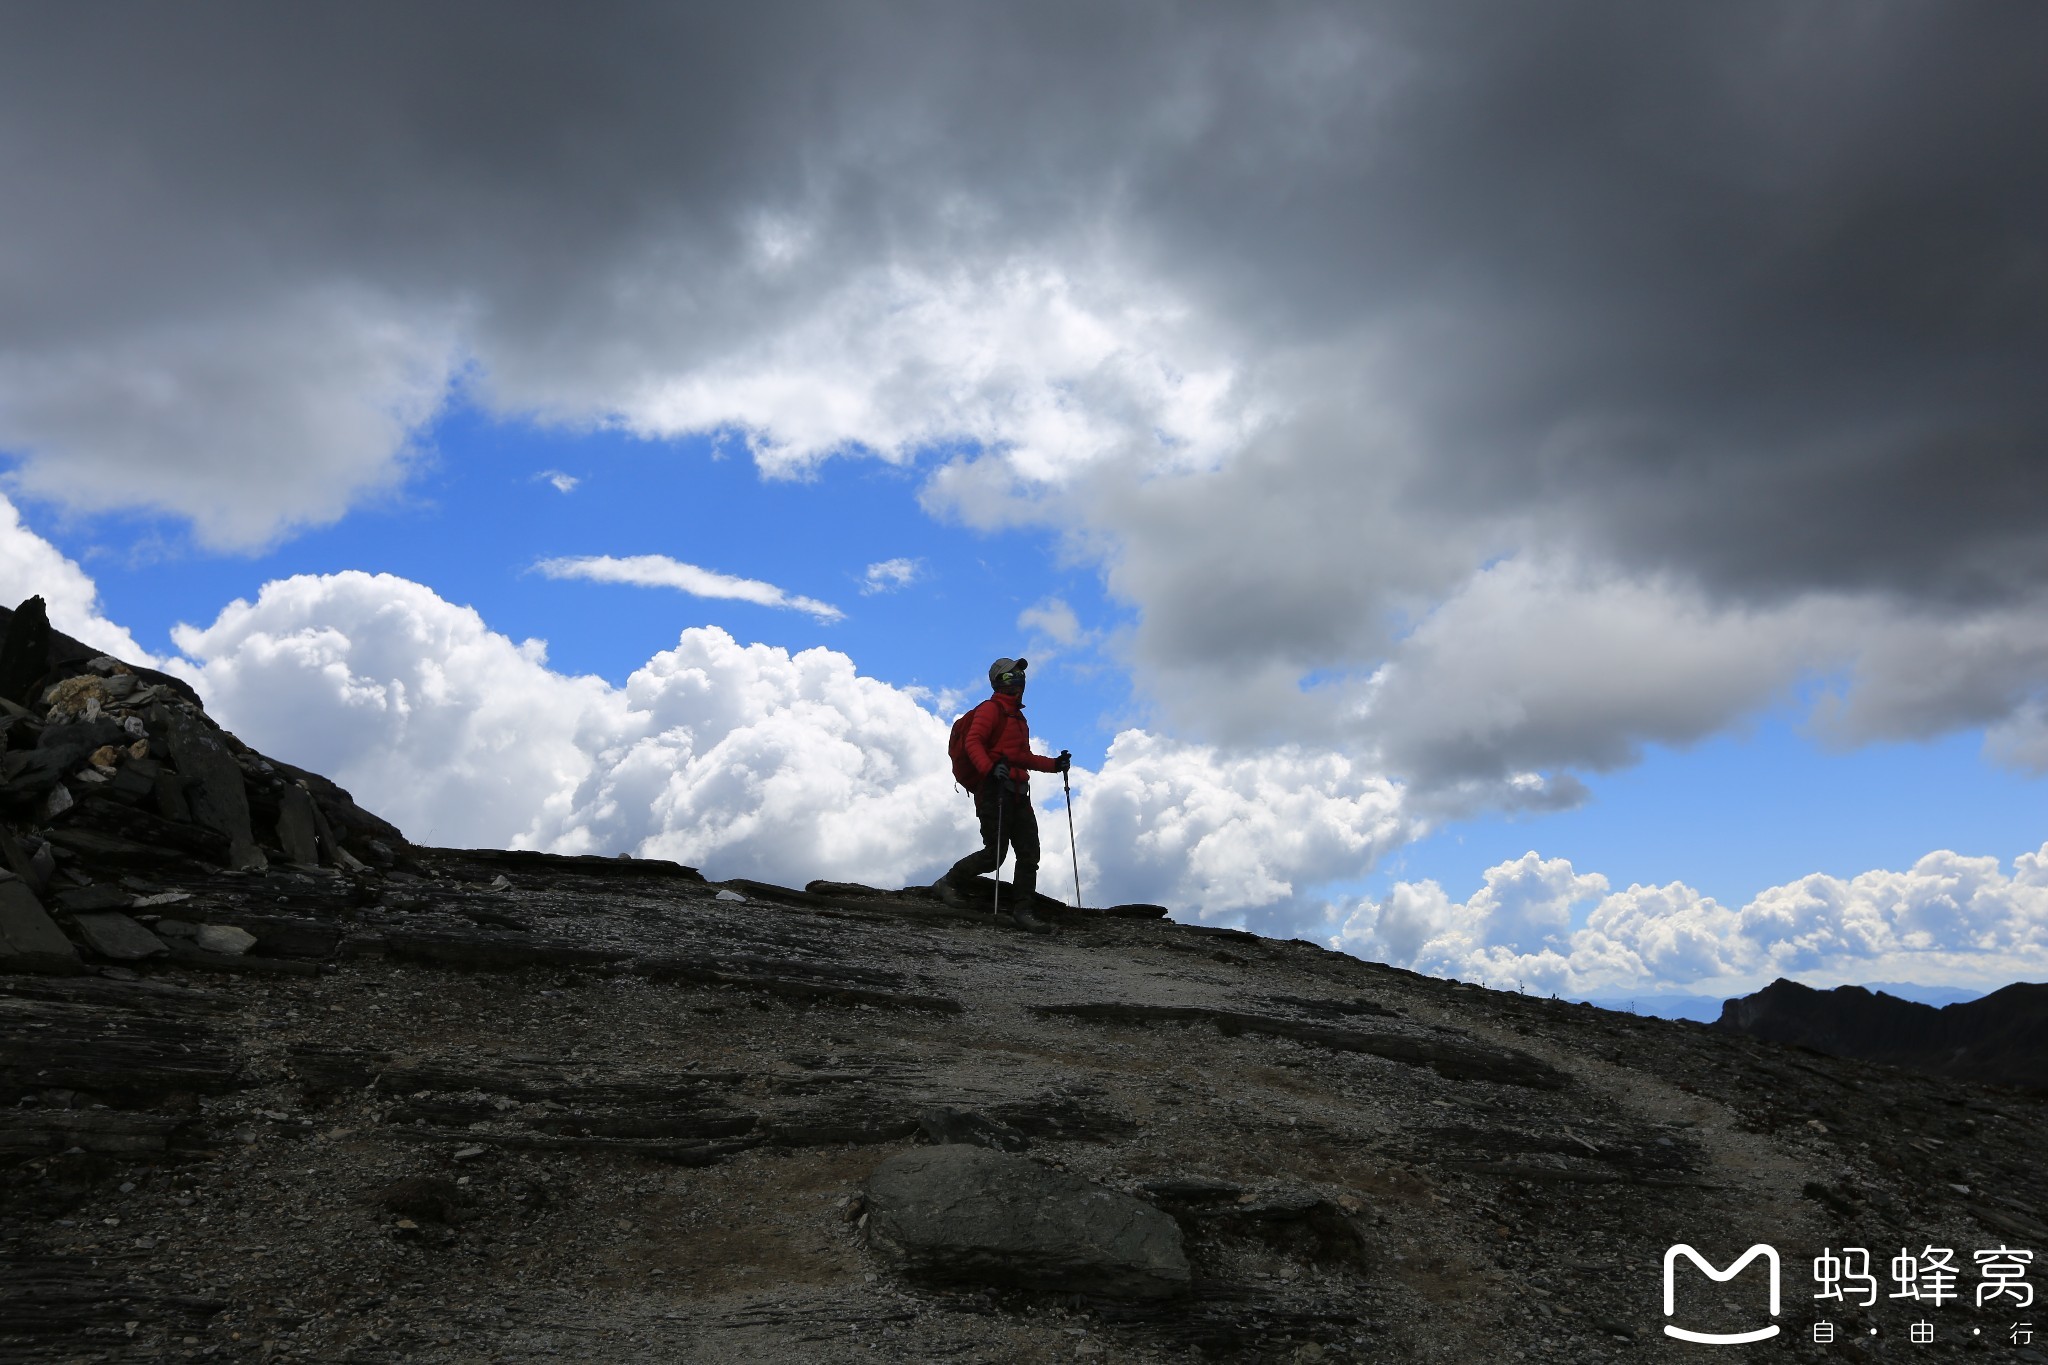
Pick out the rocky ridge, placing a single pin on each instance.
(350, 1099)
(2001, 1037)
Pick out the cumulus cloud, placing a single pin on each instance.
(1540, 924)
(767, 764)
(1221, 835)
(889, 575)
(31, 566)
(1055, 364)
(659, 571)
(560, 482)
(1053, 619)
(456, 734)
(743, 759)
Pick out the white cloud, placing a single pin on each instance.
(890, 574)
(741, 759)
(31, 566)
(1052, 618)
(448, 729)
(1214, 834)
(757, 762)
(659, 571)
(562, 483)
(1948, 918)
(1054, 365)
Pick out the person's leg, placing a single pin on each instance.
(1021, 832)
(1024, 881)
(988, 857)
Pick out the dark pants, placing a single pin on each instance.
(1020, 832)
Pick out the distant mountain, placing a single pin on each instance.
(1706, 1009)
(1926, 995)
(1665, 1005)
(2001, 1038)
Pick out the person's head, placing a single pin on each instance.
(1007, 675)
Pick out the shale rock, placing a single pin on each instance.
(298, 834)
(113, 935)
(213, 783)
(29, 940)
(967, 1213)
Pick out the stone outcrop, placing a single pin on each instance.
(212, 786)
(25, 651)
(122, 765)
(965, 1213)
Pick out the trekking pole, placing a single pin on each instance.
(997, 876)
(1071, 848)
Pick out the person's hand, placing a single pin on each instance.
(1063, 762)
(1001, 772)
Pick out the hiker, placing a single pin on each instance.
(992, 753)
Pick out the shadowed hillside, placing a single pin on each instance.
(2001, 1038)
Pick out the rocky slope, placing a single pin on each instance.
(2001, 1037)
(273, 1097)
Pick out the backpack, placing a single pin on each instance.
(956, 745)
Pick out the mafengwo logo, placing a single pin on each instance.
(1671, 1255)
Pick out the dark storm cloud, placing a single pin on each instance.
(1752, 292)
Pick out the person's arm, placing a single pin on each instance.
(1057, 763)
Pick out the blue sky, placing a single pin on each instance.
(485, 505)
(1536, 554)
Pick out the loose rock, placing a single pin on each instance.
(223, 938)
(29, 940)
(112, 934)
(967, 1213)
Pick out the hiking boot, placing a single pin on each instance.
(946, 891)
(1022, 917)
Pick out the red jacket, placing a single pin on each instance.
(1013, 745)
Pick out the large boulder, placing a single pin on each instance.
(969, 1213)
